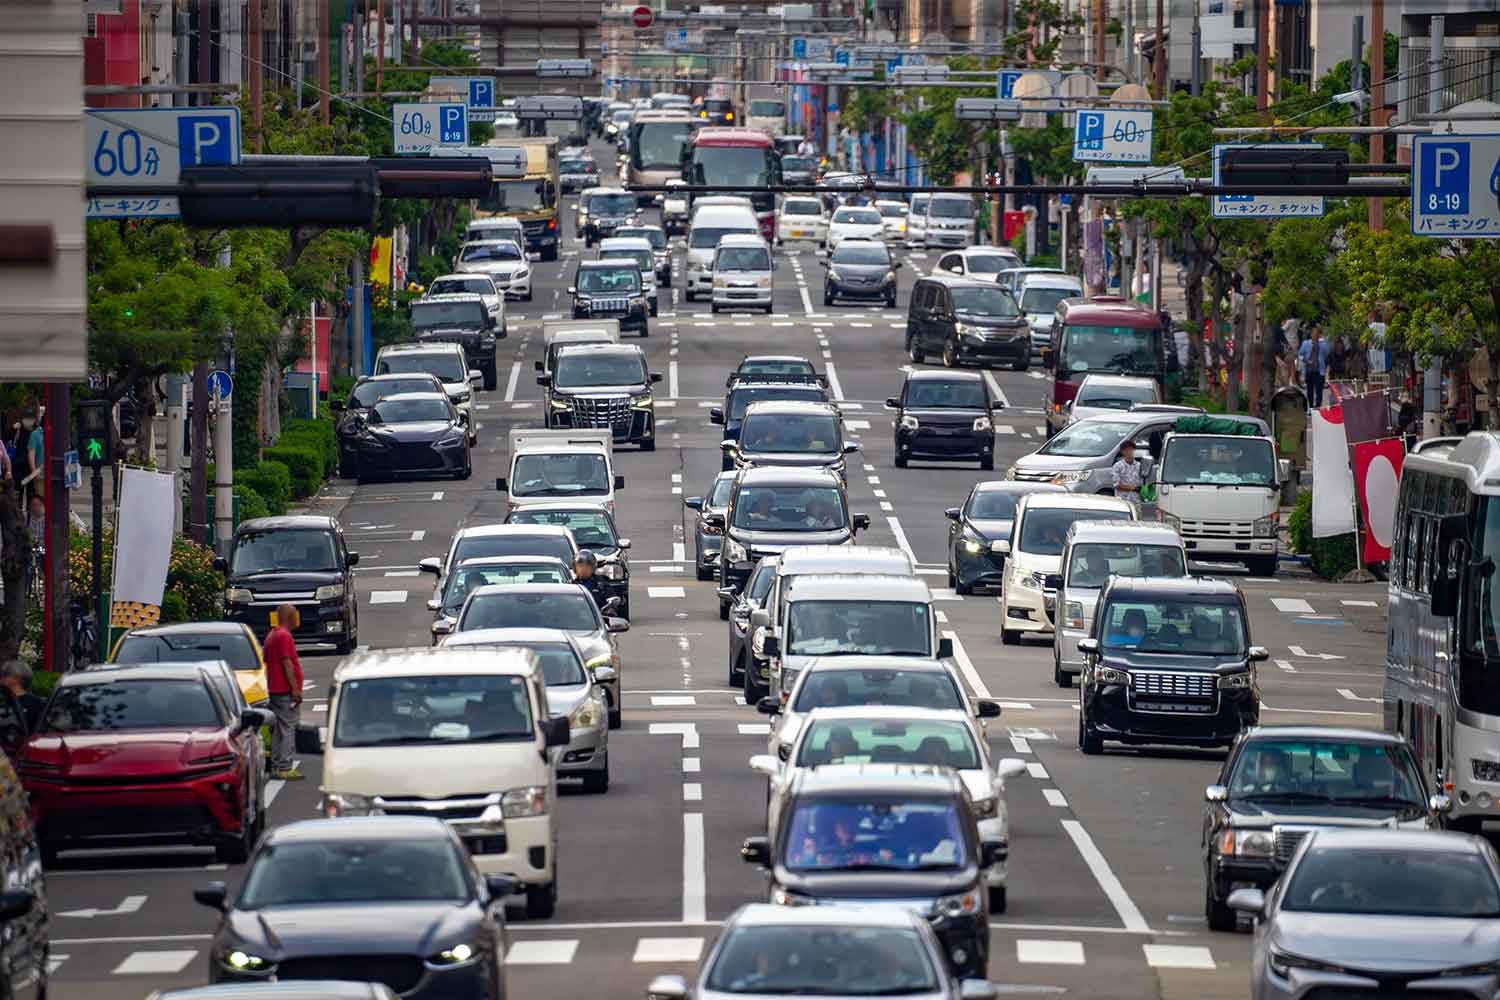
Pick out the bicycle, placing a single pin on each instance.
(85, 649)
(36, 578)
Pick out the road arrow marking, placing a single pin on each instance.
(1348, 695)
(1304, 654)
(129, 905)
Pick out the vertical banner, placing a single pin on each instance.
(381, 254)
(147, 503)
(1377, 475)
(1333, 483)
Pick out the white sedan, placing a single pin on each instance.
(481, 285)
(851, 222)
(801, 219)
(893, 213)
(503, 261)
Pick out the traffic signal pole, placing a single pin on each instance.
(55, 610)
(96, 591)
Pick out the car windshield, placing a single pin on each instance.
(1115, 396)
(528, 609)
(934, 742)
(650, 234)
(767, 109)
(942, 395)
(1043, 529)
(892, 834)
(846, 628)
(659, 145)
(1092, 564)
(1171, 625)
(612, 204)
(951, 208)
(994, 505)
(706, 238)
(477, 285)
(592, 529)
(799, 433)
(355, 871)
(367, 393)
(142, 704)
(790, 508)
(515, 196)
(469, 314)
(560, 664)
(723, 486)
(891, 209)
(411, 411)
(1123, 349)
(988, 263)
(775, 366)
(743, 259)
(919, 204)
(576, 167)
(1087, 439)
(1347, 771)
(879, 686)
(800, 165)
(1045, 300)
(866, 254)
(431, 708)
(559, 475)
(742, 398)
(513, 544)
(283, 550)
(829, 960)
(483, 232)
(444, 364)
(857, 216)
(983, 301)
(642, 259)
(585, 368)
(498, 250)
(233, 647)
(610, 280)
(473, 577)
(1393, 882)
(1219, 461)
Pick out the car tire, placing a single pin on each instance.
(750, 688)
(950, 355)
(236, 850)
(597, 782)
(550, 253)
(616, 715)
(1089, 742)
(1023, 365)
(467, 470)
(1261, 565)
(648, 444)
(654, 307)
(737, 671)
(961, 588)
(527, 296)
(827, 297)
(541, 900)
(1218, 916)
(1061, 677)
(900, 459)
(987, 463)
(890, 301)
(997, 899)
(913, 351)
(645, 330)
(1010, 637)
(50, 854)
(713, 307)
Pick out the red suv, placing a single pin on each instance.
(145, 755)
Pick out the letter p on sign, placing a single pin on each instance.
(1444, 172)
(205, 140)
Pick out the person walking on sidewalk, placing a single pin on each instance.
(1313, 357)
(284, 682)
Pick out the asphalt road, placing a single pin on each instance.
(1106, 894)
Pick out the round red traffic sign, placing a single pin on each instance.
(642, 16)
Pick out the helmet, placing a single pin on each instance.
(586, 557)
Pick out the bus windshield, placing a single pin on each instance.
(1121, 349)
(658, 145)
(1479, 669)
(516, 196)
(754, 166)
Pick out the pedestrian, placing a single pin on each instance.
(1312, 356)
(36, 520)
(15, 677)
(1126, 474)
(284, 682)
(36, 443)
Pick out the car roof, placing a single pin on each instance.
(903, 712)
(772, 915)
(624, 243)
(580, 504)
(942, 375)
(1351, 733)
(1124, 532)
(604, 190)
(857, 587)
(190, 628)
(1049, 279)
(597, 265)
(788, 475)
(301, 522)
(985, 250)
(571, 589)
(742, 240)
(462, 276)
(798, 559)
(859, 780)
(492, 530)
(798, 382)
(1172, 586)
(1104, 378)
(424, 346)
(1383, 838)
(395, 376)
(749, 358)
(1074, 501)
(920, 664)
(510, 636)
(594, 347)
(417, 661)
(775, 406)
(346, 828)
(132, 672)
(957, 281)
(1017, 486)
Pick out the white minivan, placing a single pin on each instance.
(461, 735)
(711, 223)
(742, 274)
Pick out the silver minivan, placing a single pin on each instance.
(742, 274)
(1093, 552)
(950, 221)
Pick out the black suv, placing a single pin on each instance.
(606, 210)
(299, 560)
(611, 289)
(602, 385)
(1168, 661)
(945, 415)
(860, 269)
(459, 319)
(965, 319)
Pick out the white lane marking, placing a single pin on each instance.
(1292, 605)
(1036, 374)
(1179, 956)
(676, 477)
(668, 949)
(966, 665)
(901, 538)
(1130, 916)
(694, 872)
(1315, 711)
(692, 765)
(54, 961)
(403, 572)
(833, 381)
(806, 300)
(510, 384)
(869, 467)
(885, 505)
(687, 730)
(668, 700)
(1349, 695)
(679, 552)
(665, 592)
(692, 791)
(542, 952)
(941, 616)
(388, 597)
(1304, 654)
(879, 494)
(995, 390)
(1020, 744)
(857, 425)
(418, 535)
(1055, 798)
(944, 594)
(158, 963)
(128, 905)
(1036, 770)
(874, 480)
(437, 494)
(666, 569)
(672, 379)
(755, 729)
(1004, 429)
(1360, 604)
(1287, 666)
(1035, 952)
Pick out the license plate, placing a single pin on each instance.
(798, 232)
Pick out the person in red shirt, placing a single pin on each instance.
(284, 682)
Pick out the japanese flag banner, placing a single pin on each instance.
(1333, 483)
(1377, 476)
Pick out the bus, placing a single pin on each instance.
(737, 156)
(1442, 664)
(531, 199)
(656, 142)
(1105, 333)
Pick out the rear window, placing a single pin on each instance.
(842, 688)
(232, 647)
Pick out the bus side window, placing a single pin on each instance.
(1398, 539)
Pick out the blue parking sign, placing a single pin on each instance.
(481, 92)
(207, 140)
(1005, 83)
(1443, 170)
(1090, 130)
(799, 48)
(453, 125)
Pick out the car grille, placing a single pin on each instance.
(608, 305)
(284, 597)
(127, 821)
(399, 972)
(417, 455)
(1366, 993)
(1218, 529)
(458, 807)
(1173, 684)
(602, 411)
(1034, 477)
(1287, 838)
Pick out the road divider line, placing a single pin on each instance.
(995, 389)
(1130, 915)
(966, 665)
(833, 381)
(901, 538)
(510, 385)
(679, 552)
(806, 300)
(694, 869)
(672, 379)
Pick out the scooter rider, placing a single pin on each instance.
(583, 575)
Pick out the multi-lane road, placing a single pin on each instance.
(1106, 896)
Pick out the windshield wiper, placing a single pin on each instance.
(1377, 800)
(1283, 797)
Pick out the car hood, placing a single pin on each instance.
(593, 644)
(421, 430)
(563, 700)
(1060, 463)
(1172, 661)
(919, 888)
(859, 270)
(416, 928)
(1031, 562)
(771, 542)
(126, 753)
(1372, 942)
(601, 390)
(989, 321)
(990, 530)
(466, 769)
(278, 583)
(799, 459)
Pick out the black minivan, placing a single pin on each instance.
(964, 319)
(300, 560)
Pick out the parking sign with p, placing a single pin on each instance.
(1455, 186)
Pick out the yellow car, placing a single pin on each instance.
(231, 642)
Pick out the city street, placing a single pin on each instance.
(1106, 891)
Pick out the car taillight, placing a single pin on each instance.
(551, 224)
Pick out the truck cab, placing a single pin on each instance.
(560, 465)
(1104, 334)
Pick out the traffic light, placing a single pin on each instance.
(1266, 164)
(96, 441)
(280, 195)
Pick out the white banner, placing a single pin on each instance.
(1333, 480)
(143, 550)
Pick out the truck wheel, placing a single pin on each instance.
(490, 379)
(1010, 637)
(541, 900)
(1261, 565)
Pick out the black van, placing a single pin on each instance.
(300, 560)
(964, 319)
(23, 899)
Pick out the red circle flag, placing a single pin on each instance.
(642, 17)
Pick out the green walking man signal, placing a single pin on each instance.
(95, 437)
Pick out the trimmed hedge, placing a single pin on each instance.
(271, 481)
(1329, 557)
(252, 504)
(316, 435)
(304, 462)
(173, 608)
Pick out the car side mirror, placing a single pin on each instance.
(667, 988)
(609, 606)
(726, 593)
(997, 406)
(619, 482)
(760, 618)
(214, 895)
(605, 674)
(254, 718)
(434, 604)
(1259, 654)
(992, 852)
(555, 732)
(656, 376)
(850, 447)
(221, 564)
(716, 415)
(1248, 901)
(616, 625)
(1215, 793)
(728, 447)
(1441, 804)
(432, 564)
(1283, 470)
(1089, 646)
(693, 503)
(1001, 545)
(769, 705)
(985, 708)
(953, 513)
(945, 651)
(756, 851)
(16, 903)
(544, 380)
(538, 366)
(714, 521)
(572, 289)
(476, 377)
(893, 402)
(623, 543)
(442, 627)
(501, 485)
(764, 763)
(499, 886)
(861, 522)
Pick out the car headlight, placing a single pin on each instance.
(1064, 478)
(461, 397)
(987, 808)
(530, 800)
(585, 716)
(785, 897)
(1265, 527)
(448, 958)
(329, 592)
(643, 402)
(910, 423)
(237, 595)
(1247, 843)
(236, 960)
(337, 804)
(960, 905)
(638, 300)
(741, 615)
(1034, 580)
(612, 571)
(522, 273)
(1240, 681)
(561, 404)
(1486, 969)
(974, 546)
(1010, 473)
(734, 551)
(834, 275)
(1283, 962)
(1109, 675)
(1171, 520)
(967, 330)
(1073, 614)
(983, 424)
(450, 442)
(890, 276)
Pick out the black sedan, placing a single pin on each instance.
(942, 414)
(367, 391)
(390, 899)
(860, 269)
(412, 434)
(974, 528)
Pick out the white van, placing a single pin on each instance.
(742, 274)
(560, 465)
(916, 220)
(1222, 492)
(560, 333)
(460, 735)
(711, 223)
(949, 222)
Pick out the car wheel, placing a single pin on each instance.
(654, 307)
(1010, 637)
(541, 900)
(467, 470)
(961, 588)
(236, 851)
(1060, 677)
(914, 351)
(1219, 916)
(750, 687)
(827, 296)
(705, 572)
(597, 782)
(645, 330)
(1088, 741)
(50, 853)
(616, 715)
(890, 301)
(950, 355)
(900, 459)
(1261, 565)
(997, 899)
(723, 611)
(987, 462)
(737, 671)
(713, 307)
(1022, 365)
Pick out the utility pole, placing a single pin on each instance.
(380, 47)
(398, 54)
(182, 57)
(223, 475)
(198, 475)
(1375, 207)
(1160, 54)
(257, 75)
(1197, 50)
(176, 439)
(1100, 39)
(57, 441)
(1432, 378)
(323, 43)
(1129, 62)
(357, 314)
(1263, 53)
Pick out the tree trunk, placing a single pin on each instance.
(1194, 291)
(1235, 358)
(1210, 375)
(15, 550)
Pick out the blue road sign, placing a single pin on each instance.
(152, 145)
(1264, 206)
(1112, 136)
(453, 125)
(841, 56)
(1456, 181)
(481, 92)
(799, 48)
(220, 384)
(1005, 83)
(418, 128)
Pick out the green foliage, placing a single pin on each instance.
(43, 682)
(174, 608)
(252, 504)
(190, 573)
(1330, 557)
(304, 461)
(339, 387)
(1299, 525)
(316, 435)
(271, 481)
